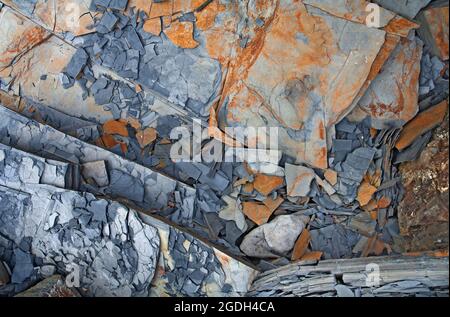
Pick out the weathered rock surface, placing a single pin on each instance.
(269, 240)
(434, 29)
(392, 98)
(53, 286)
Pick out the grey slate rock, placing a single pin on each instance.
(77, 63)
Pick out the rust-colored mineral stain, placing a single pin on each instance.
(182, 34)
(400, 26)
(118, 127)
(301, 245)
(265, 184)
(256, 212)
(159, 9)
(153, 26)
(422, 123)
(146, 137)
(331, 176)
(273, 204)
(438, 20)
(365, 193)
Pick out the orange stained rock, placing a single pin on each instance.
(207, 17)
(258, 213)
(145, 137)
(370, 206)
(159, 9)
(116, 127)
(438, 23)
(182, 34)
(384, 202)
(248, 188)
(400, 26)
(312, 256)
(301, 245)
(331, 176)
(266, 184)
(273, 204)
(216, 133)
(153, 26)
(422, 123)
(365, 193)
(373, 214)
(108, 141)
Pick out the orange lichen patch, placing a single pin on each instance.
(153, 26)
(422, 123)
(115, 127)
(384, 202)
(273, 204)
(312, 256)
(266, 184)
(256, 212)
(182, 34)
(400, 26)
(301, 245)
(145, 137)
(159, 9)
(438, 22)
(331, 176)
(365, 193)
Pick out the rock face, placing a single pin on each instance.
(298, 73)
(103, 247)
(392, 98)
(423, 214)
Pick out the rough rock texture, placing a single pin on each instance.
(392, 98)
(423, 214)
(53, 286)
(405, 8)
(434, 29)
(106, 246)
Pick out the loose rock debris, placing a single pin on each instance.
(93, 105)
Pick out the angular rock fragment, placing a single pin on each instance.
(392, 98)
(301, 245)
(422, 123)
(363, 224)
(434, 29)
(334, 241)
(405, 8)
(298, 180)
(257, 212)
(365, 193)
(265, 184)
(181, 34)
(268, 241)
(4, 275)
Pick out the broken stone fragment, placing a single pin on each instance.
(118, 127)
(298, 180)
(97, 172)
(265, 184)
(273, 204)
(392, 98)
(365, 193)
(232, 212)
(268, 241)
(54, 286)
(435, 28)
(146, 136)
(331, 176)
(182, 34)
(257, 212)
(422, 123)
(301, 246)
(153, 26)
(405, 8)
(363, 224)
